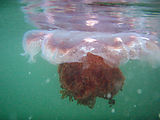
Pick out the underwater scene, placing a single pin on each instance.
(80, 60)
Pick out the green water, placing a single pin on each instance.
(31, 91)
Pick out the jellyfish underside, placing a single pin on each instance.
(84, 81)
(89, 64)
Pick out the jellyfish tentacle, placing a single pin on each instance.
(32, 42)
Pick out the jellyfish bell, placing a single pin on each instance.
(89, 46)
(61, 46)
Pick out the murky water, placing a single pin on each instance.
(30, 91)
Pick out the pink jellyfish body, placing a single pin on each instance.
(88, 41)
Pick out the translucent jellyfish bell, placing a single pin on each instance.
(88, 43)
(61, 46)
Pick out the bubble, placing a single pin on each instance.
(139, 91)
(134, 105)
(113, 110)
(48, 80)
(30, 118)
(109, 95)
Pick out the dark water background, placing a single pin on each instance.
(31, 91)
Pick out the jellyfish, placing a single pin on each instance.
(88, 44)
